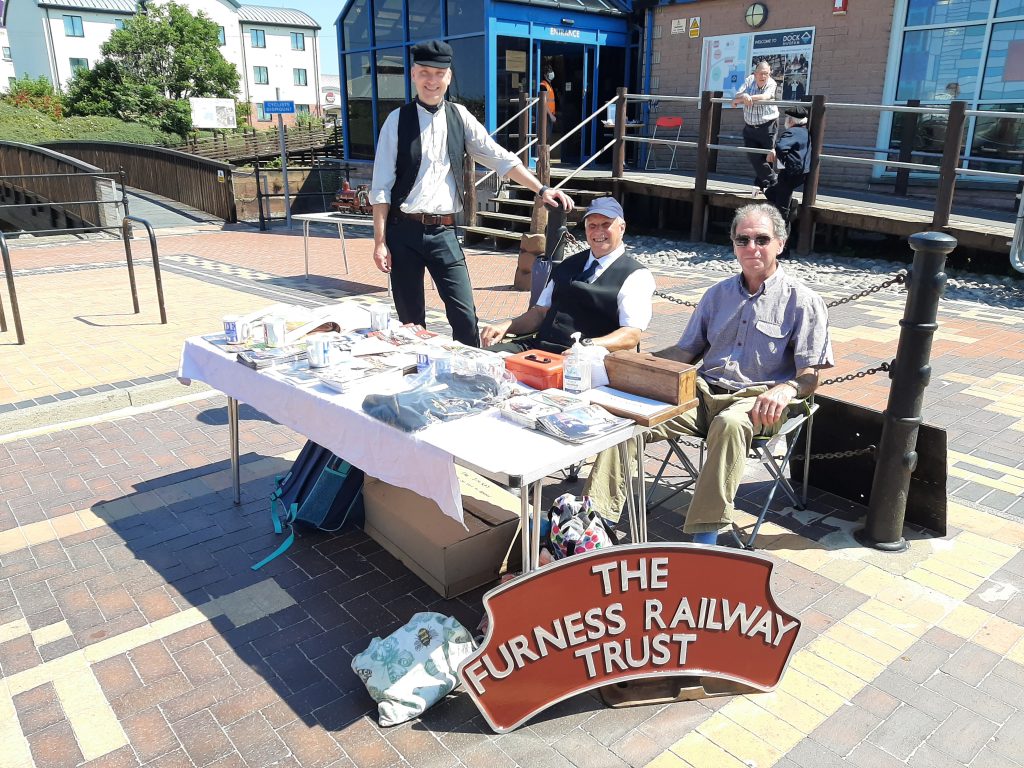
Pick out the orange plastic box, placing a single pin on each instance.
(536, 368)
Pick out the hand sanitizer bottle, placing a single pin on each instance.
(576, 370)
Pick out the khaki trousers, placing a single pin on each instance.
(724, 422)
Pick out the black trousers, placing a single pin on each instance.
(781, 193)
(415, 247)
(761, 137)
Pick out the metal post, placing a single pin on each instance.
(126, 235)
(908, 131)
(539, 215)
(950, 160)
(810, 193)
(9, 274)
(124, 189)
(700, 174)
(542, 119)
(283, 144)
(619, 147)
(524, 124)
(259, 196)
(897, 458)
(469, 184)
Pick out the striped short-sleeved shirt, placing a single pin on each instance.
(759, 112)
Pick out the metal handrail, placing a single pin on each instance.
(593, 157)
(518, 152)
(528, 107)
(126, 235)
(586, 120)
(5, 255)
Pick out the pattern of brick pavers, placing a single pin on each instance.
(132, 631)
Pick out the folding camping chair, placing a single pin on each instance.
(668, 123)
(760, 448)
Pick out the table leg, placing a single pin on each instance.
(535, 532)
(627, 469)
(524, 521)
(344, 254)
(642, 489)
(305, 244)
(233, 440)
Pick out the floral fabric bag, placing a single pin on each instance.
(414, 667)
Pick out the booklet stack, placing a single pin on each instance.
(261, 356)
(561, 415)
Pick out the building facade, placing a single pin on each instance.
(7, 70)
(502, 48)
(275, 50)
(872, 52)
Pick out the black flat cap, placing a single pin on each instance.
(433, 53)
(798, 112)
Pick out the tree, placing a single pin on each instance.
(163, 56)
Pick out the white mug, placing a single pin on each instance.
(275, 331)
(380, 317)
(319, 349)
(236, 330)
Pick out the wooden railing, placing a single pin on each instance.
(196, 181)
(32, 173)
(252, 145)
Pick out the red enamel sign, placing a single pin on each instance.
(623, 613)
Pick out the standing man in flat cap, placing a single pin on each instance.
(792, 155)
(601, 293)
(418, 177)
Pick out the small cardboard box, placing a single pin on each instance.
(641, 373)
(448, 557)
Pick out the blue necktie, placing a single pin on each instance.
(588, 273)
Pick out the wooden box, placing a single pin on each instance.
(641, 373)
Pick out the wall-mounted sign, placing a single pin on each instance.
(515, 61)
(221, 178)
(726, 60)
(839, 7)
(626, 613)
(279, 107)
(694, 28)
(679, 26)
(329, 97)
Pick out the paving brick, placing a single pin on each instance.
(55, 747)
(312, 746)
(419, 746)
(845, 729)
(38, 709)
(199, 664)
(152, 661)
(876, 701)
(149, 734)
(366, 746)
(810, 754)
(867, 755)
(119, 758)
(971, 663)
(927, 699)
(202, 739)
(920, 661)
(903, 731)
(256, 741)
(962, 735)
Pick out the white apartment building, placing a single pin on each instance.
(275, 50)
(7, 71)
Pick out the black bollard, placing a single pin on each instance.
(897, 458)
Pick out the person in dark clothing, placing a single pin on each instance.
(418, 179)
(792, 156)
(602, 294)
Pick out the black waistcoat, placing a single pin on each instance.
(410, 150)
(590, 308)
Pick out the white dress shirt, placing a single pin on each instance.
(434, 190)
(636, 296)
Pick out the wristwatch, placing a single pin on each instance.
(542, 190)
(794, 384)
(587, 342)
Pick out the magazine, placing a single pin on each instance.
(364, 374)
(583, 423)
(262, 356)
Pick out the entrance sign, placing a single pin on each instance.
(279, 107)
(211, 113)
(625, 613)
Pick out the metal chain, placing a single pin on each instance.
(882, 367)
(899, 279)
(675, 299)
(843, 454)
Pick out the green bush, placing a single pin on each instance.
(26, 125)
(33, 127)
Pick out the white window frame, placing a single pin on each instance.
(261, 34)
(300, 36)
(74, 67)
(296, 78)
(77, 27)
(256, 77)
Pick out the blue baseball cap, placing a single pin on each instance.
(606, 206)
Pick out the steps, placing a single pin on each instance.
(506, 225)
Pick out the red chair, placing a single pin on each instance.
(668, 123)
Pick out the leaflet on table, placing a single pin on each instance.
(642, 410)
(578, 425)
(261, 356)
(377, 373)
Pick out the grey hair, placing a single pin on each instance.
(764, 63)
(767, 210)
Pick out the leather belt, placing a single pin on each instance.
(426, 219)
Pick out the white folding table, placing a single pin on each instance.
(422, 461)
(328, 218)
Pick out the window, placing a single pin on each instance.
(302, 109)
(7, 53)
(261, 116)
(258, 38)
(260, 76)
(73, 26)
(79, 64)
(299, 76)
(357, 26)
(298, 41)
(221, 39)
(465, 16)
(424, 19)
(388, 21)
(118, 23)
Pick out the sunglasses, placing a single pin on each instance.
(742, 241)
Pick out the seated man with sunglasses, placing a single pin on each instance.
(761, 337)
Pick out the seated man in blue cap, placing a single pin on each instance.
(418, 185)
(600, 293)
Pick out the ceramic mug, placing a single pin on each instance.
(380, 318)
(275, 331)
(236, 330)
(319, 349)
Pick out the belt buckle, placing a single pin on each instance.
(432, 219)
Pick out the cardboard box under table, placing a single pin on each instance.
(448, 557)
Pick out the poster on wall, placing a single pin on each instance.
(725, 63)
(789, 51)
(726, 60)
